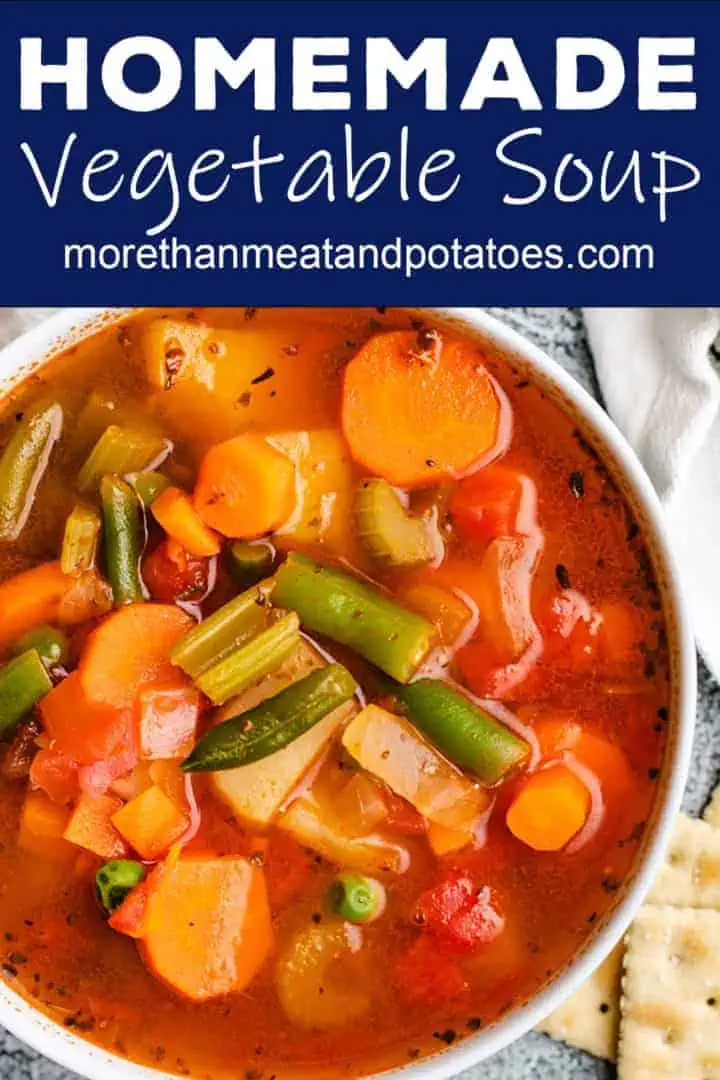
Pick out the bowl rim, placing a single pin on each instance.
(47, 1037)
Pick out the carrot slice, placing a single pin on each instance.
(606, 761)
(31, 599)
(550, 808)
(245, 487)
(416, 411)
(90, 826)
(174, 511)
(151, 822)
(83, 730)
(130, 650)
(207, 928)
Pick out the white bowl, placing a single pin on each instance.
(31, 350)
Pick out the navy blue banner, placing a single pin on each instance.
(360, 152)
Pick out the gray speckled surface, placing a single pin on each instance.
(561, 333)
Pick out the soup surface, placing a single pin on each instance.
(334, 696)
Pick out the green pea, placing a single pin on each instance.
(114, 881)
(356, 898)
(50, 644)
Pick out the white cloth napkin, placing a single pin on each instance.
(661, 386)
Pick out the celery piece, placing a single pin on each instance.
(121, 450)
(241, 619)
(148, 485)
(389, 532)
(22, 683)
(252, 661)
(23, 465)
(80, 542)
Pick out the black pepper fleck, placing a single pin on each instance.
(263, 376)
(562, 575)
(577, 484)
(447, 1036)
(426, 339)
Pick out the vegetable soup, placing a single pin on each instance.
(333, 694)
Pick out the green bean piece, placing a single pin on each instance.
(124, 539)
(22, 683)
(223, 632)
(470, 736)
(80, 541)
(49, 643)
(389, 532)
(121, 450)
(273, 724)
(357, 898)
(251, 560)
(148, 485)
(114, 881)
(338, 606)
(252, 661)
(23, 464)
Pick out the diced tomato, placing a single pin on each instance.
(424, 975)
(460, 915)
(579, 634)
(81, 731)
(562, 613)
(496, 501)
(97, 778)
(56, 775)
(402, 817)
(171, 573)
(287, 869)
(168, 717)
(570, 628)
(128, 918)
